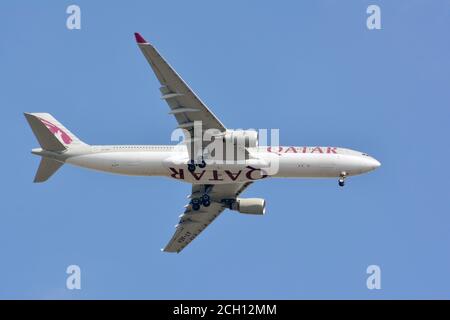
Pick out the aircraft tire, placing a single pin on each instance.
(202, 164)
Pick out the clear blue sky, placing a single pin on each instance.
(310, 68)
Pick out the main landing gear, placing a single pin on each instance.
(342, 179)
(204, 200)
(192, 165)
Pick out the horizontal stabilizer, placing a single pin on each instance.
(46, 169)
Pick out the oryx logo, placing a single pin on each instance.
(58, 132)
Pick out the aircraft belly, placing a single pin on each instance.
(215, 176)
(308, 166)
(126, 163)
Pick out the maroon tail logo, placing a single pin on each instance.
(55, 130)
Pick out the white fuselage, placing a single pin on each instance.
(171, 161)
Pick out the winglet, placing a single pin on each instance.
(139, 38)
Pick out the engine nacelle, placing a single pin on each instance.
(249, 206)
(244, 138)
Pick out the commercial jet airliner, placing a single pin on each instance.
(217, 178)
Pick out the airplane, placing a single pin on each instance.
(215, 185)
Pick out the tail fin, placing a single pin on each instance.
(46, 169)
(51, 134)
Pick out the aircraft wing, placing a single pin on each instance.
(192, 223)
(185, 106)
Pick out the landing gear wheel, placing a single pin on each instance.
(206, 203)
(202, 164)
(205, 197)
(342, 178)
(196, 204)
(191, 166)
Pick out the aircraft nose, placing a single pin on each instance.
(374, 163)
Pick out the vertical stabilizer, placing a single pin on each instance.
(54, 138)
(50, 133)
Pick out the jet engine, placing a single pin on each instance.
(249, 206)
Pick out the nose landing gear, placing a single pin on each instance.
(342, 179)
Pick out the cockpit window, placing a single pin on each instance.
(365, 154)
